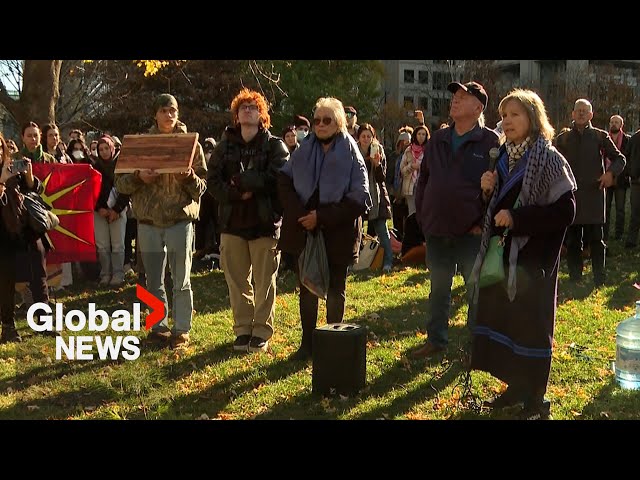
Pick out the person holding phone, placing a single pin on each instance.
(16, 241)
(376, 162)
(410, 166)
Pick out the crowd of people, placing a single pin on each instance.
(252, 196)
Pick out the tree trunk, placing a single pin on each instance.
(40, 92)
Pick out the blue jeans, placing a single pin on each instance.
(443, 254)
(174, 243)
(380, 226)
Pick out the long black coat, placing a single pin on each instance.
(513, 340)
(585, 151)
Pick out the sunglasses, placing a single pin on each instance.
(349, 114)
(324, 120)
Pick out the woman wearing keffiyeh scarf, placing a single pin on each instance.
(514, 319)
(411, 162)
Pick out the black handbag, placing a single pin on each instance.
(41, 219)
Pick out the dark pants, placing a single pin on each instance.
(577, 235)
(7, 290)
(634, 223)
(129, 235)
(619, 194)
(32, 268)
(335, 302)
(399, 212)
(206, 228)
(443, 254)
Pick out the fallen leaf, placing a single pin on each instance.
(32, 408)
(204, 416)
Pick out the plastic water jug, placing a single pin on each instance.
(628, 351)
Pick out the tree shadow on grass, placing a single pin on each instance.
(217, 396)
(61, 405)
(395, 376)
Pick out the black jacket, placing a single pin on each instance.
(237, 167)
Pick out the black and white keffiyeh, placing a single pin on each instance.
(547, 177)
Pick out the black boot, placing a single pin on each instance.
(536, 407)
(45, 333)
(10, 334)
(512, 396)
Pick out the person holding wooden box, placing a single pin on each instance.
(165, 204)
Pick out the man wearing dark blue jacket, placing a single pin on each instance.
(450, 204)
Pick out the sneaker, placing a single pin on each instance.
(386, 269)
(161, 337)
(116, 280)
(179, 340)
(10, 334)
(241, 343)
(257, 344)
(509, 398)
(104, 280)
(428, 350)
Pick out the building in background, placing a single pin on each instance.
(611, 86)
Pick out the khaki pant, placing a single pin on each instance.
(243, 260)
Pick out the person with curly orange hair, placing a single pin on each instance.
(242, 178)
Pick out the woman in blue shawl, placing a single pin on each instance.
(324, 186)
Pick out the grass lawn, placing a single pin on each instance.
(209, 380)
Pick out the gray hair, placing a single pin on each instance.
(583, 101)
(337, 110)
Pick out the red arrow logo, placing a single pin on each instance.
(156, 305)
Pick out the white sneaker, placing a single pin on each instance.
(104, 280)
(116, 281)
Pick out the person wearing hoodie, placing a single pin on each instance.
(166, 205)
(242, 178)
(110, 217)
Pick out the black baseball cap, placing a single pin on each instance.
(474, 88)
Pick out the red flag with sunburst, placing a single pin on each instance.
(71, 191)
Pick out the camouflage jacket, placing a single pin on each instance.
(169, 199)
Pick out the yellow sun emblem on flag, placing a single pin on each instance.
(49, 199)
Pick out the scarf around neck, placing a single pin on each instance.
(338, 173)
(516, 152)
(35, 156)
(547, 176)
(417, 151)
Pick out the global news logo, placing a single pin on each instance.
(105, 347)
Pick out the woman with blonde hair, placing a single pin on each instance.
(324, 187)
(530, 205)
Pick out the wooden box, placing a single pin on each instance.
(164, 153)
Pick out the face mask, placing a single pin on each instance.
(301, 135)
(207, 156)
(78, 155)
(94, 152)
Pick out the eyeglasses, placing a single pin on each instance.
(324, 120)
(249, 108)
(349, 114)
